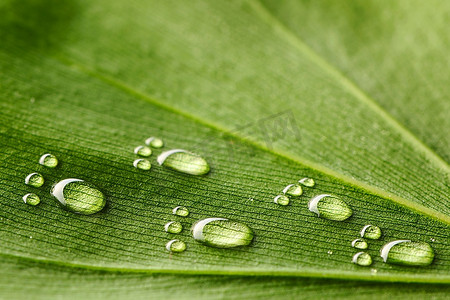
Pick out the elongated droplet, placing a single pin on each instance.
(48, 160)
(281, 200)
(142, 164)
(31, 199)
(181, 211)
(184, 161)
(330, 207)
(405, 252)
(143, 151)
(154, 142)
(309, 182)
(175, 246)
(293, 190)
(359, 244)
(371, 232)
(34, 179)
(222, 233)
(362, 259)
(173, 227)
(78, 196)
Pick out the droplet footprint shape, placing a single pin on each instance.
(406, 252)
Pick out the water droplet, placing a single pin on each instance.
(142, 164)
(222, 233)
(48, 160)
(154, 142)
(293, 190)
(78, 196)
(173, 227)
(184, 161)
(371, 232)
(359, 244)
(330, 252)
(405, 252)
(373, 271)
(433, 239)
(281, 200)
(143, 151)
(181, 211)
(34, 179)
(330, 207)
(309, 182)
(362, 259)
(175, 246)
(31, 199)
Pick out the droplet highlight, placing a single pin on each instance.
(362, 259)
(154, 142)
(31, 199)
(293, 190)
(173, 227)
(143, 151)
(222, 233)
(359, 244)
(330, 207)
(78, 196)
(175, 246)
(309, 182)
(34, 179)
(48, 160)
(281, 200)
(142, 164)
(408, 253)
(371, 232)
(184, 161)
(181, 211)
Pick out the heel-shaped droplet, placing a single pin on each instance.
(222, 233)
(34, 179)
(330, 207)
(184, 161)
(406, 252)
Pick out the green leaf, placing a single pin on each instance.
(267, 98)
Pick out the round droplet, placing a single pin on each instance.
(405, 252)
(293, 190)
(281, 200)
(154, 142)
(181, 211)
(142, 164)
(31, 199)
(78, 196)
(371, 232)
(175, 246)
(330, 207)
(173, 227)
(309, 182)
(48, 160)
(362, 259)
(143, 151)
(359, 244)
(184, 161)
(34, 179)
(222, 233)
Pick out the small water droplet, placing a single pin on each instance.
(433, 239)
(32, 100)
(281, 200)
(373, 271)
(48, 160)
(142, 164)
(143, 151)
(154, 142)
(406, 252)
(78, 196)
(34, 179)
(184, 161)
(359, 244)
(173, 227)
(293, 190)
(330, 207)
(181, 211)
(222, 233)
(175, 246)
(31, 199)
(309, 182)
(330, 252)
(371, 232)
(362, 259)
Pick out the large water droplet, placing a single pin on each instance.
(362, 259)
(309, 182)
(359, 244)
(281, 200)
(142, 164)
(181, 211)
(173, 227)
(34, 179)
(293, 190)
(405, 252)
(184, 161)
(222, 233)
(330, 207)
(371, 232)
(175, 246)
(48, 160)
(31, 199)
(78, 196)
(154, 142)
(143, 151)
